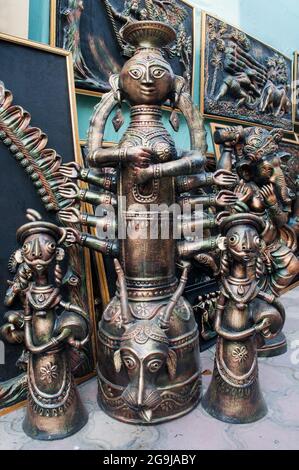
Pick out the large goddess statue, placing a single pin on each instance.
(148, 365)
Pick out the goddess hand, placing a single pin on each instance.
(73, 236)
(69, 191)
(70, 170)
(71, 215)
(226, 198)
(139, 156)
(225, 178)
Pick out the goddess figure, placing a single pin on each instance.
(151, 176)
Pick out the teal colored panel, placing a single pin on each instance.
(39, 20)
(85, 105)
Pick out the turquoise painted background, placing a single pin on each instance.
(273, 22)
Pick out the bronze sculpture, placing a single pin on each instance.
(27, 146)
(49, 327)
(148, 308)
(243, 310)
(254, 154)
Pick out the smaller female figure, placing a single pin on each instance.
(54, 408)
(243, 311)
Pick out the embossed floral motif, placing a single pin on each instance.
(141, 310)
(49, 372)
(240, 354)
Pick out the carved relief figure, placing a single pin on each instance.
(245, 79)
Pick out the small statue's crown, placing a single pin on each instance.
(37, 225)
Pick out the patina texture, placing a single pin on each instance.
(148, 316)
(49, 328)
(244, 309)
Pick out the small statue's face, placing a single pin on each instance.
(39, 251)
(243, 243)
(146, 80)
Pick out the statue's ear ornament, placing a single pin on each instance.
(15, 259)
(117, 360)
(118, 119)
(60, 254)
(179, 85)
(222, 243)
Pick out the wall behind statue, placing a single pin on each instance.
(14, 17)
(275, 23)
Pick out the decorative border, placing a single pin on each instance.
(202, 75)
(79, 91)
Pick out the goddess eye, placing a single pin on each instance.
(129, 362)
(158, 73)
(135, 73)
(154, 365)
(234, 239)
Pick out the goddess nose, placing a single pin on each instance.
(147, 77)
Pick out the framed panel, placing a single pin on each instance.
(243, 79)
(39, 116)
(90, 30)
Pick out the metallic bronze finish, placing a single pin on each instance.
(51, 328)
(264, 191)
(148, 366)
(243, 310)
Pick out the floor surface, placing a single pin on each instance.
(278, 430)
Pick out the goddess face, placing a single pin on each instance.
(146, 79)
